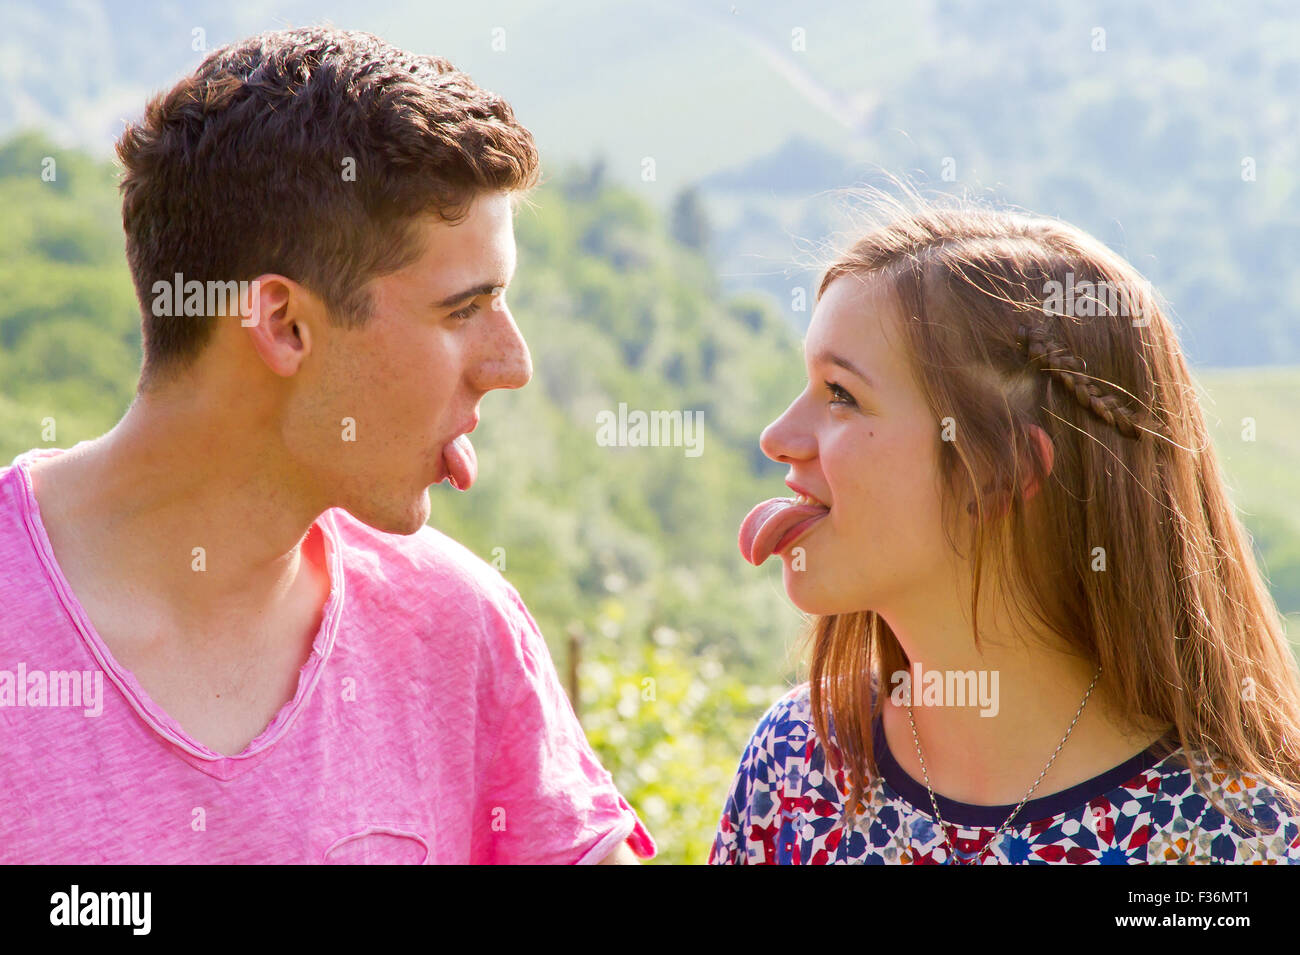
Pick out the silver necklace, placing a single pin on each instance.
(952, 853)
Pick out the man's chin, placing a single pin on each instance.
(404, 522)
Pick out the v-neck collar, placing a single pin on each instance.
(198, 755)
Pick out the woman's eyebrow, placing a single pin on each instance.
(825, 357)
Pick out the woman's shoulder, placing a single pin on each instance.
(1188, 820)
(755, 821)
(795, 704)
(781, 735)
(790, 716)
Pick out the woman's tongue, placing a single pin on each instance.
(762, 529)
(461, 462)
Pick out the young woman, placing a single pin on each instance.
(1037, 631)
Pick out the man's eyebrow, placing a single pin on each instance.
(828, 357)
(486, 288)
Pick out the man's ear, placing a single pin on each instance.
(273, 314)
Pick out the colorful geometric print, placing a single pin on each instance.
(784, 809)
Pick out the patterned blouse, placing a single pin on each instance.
(784, 809)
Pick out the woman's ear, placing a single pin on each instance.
(1042, 446)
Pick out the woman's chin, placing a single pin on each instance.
(813, 597)
(803, 592)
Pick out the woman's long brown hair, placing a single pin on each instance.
(1132, 550)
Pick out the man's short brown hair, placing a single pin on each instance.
(307, 153)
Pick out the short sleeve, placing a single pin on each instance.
(750, 819)
(1213, 839)
(546, 799)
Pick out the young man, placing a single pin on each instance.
(229, 635)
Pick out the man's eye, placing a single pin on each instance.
(837, 391)
(465, 312)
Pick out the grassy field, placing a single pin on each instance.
(1264, 473)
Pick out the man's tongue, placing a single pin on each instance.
(762, 529)
(461, 462)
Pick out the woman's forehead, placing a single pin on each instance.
(855, 320)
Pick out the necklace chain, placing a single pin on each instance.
(952, 853)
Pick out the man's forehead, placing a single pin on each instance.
(488, 220)
(467, 267)
(456, 250)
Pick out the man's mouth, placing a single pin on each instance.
(459, 463)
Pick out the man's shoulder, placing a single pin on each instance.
(427, 565)
(13, 496)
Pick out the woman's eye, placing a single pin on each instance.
(839, 392)
(465, 312)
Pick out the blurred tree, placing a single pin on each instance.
(690, 223)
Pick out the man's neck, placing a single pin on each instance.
(184, 510)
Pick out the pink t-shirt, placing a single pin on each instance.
(428, 726)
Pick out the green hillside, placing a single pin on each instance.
(1263, 471)
(1167, 131)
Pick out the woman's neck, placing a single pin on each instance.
(992, 760)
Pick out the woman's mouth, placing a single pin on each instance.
(776, 524)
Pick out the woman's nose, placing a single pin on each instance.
(788, 438)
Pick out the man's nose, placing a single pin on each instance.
(789, 438)
(506, 362)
